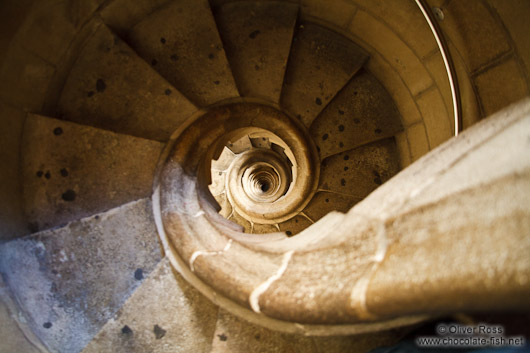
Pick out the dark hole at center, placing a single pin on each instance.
(264, 186)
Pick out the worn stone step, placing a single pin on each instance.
(257, 36)
(69, 281)
(165, 314)
(181, 42)
(71, 171)
(111, 87)
(321, 62)
(362, 112)
(360, 171)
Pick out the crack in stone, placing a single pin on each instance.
(198, 253)
(259, 290)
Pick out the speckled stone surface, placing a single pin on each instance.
(69, 281)
(164, 315)
(72, 171)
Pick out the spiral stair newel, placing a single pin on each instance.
(187, 218)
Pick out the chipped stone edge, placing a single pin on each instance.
(198, 253)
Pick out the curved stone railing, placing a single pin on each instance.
(425, 243)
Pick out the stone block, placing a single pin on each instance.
(385, 41)
(418, 143)
(395, 86)
(338, 13)
(514, 14)
(435, 65)
(403, 150)
(404, 18)
(435, 116)
(476, 34)
(500, 86)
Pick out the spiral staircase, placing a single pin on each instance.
(180, 176)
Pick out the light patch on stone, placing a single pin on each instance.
(63, 257)
(358, 294)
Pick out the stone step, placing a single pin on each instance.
(257, 36)
(182, 43)
(362, 112)
(69, 281)
(360, 171)
(240, 145)
(320, 64)
(324, 202)
(71, 171)
(165, 314)
(111, 87)
(296, 224)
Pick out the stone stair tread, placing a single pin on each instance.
(217, 187)
(224, 160)
(260, 142)
(240, 145)
(111, 87)
(257, 36)
(188, 53)
(69, 281)
(72, 171)
(165, 314)
(360, 171)
(321, 62)
(324, 202)
(362, 112)
(259, 228)
(295, 225)
(226, 206)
